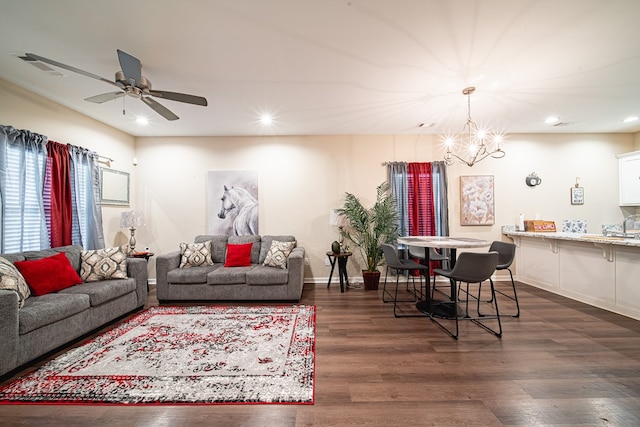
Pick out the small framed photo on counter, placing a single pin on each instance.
(577, 195)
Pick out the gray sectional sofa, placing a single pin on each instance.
(50, 321)
(217, 282)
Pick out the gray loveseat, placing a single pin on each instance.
(217, 282)
(49, 321)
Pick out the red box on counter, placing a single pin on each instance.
(539, 226)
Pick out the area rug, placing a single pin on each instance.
(184, 355)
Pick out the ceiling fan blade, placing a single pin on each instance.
(131, 67)
(70, 68)
(159, 108)
(181, 97)
(109, 96)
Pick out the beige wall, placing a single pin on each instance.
(302, 177)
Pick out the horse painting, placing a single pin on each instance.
(246, 207)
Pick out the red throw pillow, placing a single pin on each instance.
(46, 275)
(238, 255)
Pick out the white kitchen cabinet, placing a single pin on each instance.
(629, 170)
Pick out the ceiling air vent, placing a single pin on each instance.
(561, 124)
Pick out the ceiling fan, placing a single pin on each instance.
(129, 81)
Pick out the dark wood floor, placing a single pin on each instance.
(561, 363)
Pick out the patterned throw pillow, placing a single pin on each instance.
(11, 279)
(101, 264)
(278, 253)
(195, 254)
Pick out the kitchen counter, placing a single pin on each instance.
(599, 270)
(593, 238)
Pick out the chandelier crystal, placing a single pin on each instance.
(476, 144)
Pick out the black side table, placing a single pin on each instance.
(146, 256)
(342, 259)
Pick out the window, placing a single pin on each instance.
(421, 195)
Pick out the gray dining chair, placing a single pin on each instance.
(506, 254)
(418, 252)
(470, 268)
(394, 262)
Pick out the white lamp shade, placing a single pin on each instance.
(334, 218)
(131, 219)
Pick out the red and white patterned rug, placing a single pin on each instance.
(185, 355)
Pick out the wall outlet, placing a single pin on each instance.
(306, 261)
(326, 261)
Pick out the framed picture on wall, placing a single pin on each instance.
(477, 200)
(577, 195)
(114, 187)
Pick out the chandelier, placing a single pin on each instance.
(476, 144)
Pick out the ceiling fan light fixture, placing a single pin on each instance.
(129, 81)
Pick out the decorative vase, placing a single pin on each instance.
(371, 280)
(335, 247)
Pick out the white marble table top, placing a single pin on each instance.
(447, 242)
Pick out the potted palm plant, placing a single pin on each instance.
(369, 228)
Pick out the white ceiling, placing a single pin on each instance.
(339, 66)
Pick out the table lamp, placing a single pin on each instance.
(131, 220)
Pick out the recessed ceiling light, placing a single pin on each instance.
(266, 119)
(631, 119)
(143, 121)
(551, 120)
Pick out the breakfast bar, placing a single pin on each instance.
(602, 271)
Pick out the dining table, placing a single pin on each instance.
(427, 305)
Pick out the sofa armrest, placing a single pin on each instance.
(164, 264)
(295, 265)
(8, 330)
(137, 269)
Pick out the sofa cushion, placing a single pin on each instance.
(228, 276)
(193, 275)
(47, 275)
(103, 291)
(266, 244)
(218, 245)
(278, 254)
(238, 255)
(11, 279)
(267, 276)
(195, 254)
(255, 250)
(101, 264)
(47, 309)
(72, 252)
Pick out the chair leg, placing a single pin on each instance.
(396, 310)
(454, 317)
(384, 288)
(514, 297)
(477, 321)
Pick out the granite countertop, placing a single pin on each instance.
(579, 237)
